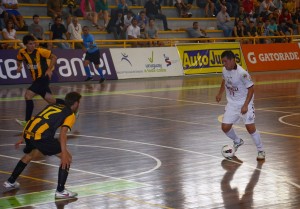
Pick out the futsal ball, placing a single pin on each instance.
(228, 151)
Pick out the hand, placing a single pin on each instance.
(218, 97)
(244, 109)
(19, 68)
(48, 73)
(66, 160)
(17, 144)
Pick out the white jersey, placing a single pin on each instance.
(237, 83)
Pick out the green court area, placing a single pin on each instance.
(47, 196)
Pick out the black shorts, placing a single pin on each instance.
(41, 86)
(93, 57)
(45, 146)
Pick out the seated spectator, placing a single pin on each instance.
(142, 21)
(196, 31)
(278, 4)
(290, 5)
(240, 31)
(260, 31)
(248, 6)
(123, 7)
(285, 30)
(273, 30)
(286, 17)
(276, 15)
(127, 20)
(151, 32)
(224, 23)
(37, 31)
(73, 9)
(266, 7)
(9, 33)
(251, 31)
(11, 12)
(87, 8)
(74, 33)
(235, 4)
(101, 7)
(183, 9)
(266, 32)
(56, 33)
(220, 3)
(55, 9)
(153, 10)
(133, 32)
(296, 20)
(242, 15)
(116, 25)
(208, 6)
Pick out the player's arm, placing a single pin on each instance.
(222, 89)
(65, 156)
(248, 99)
(53, 59)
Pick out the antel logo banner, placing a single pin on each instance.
(264, 57)
(69, 67)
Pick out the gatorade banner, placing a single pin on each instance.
(264, 57)
(206, 57)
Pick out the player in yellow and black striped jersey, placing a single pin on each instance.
(39, 135)
(35, 60)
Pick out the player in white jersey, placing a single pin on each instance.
(239, 94)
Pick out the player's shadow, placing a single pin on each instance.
(60, 204)
(231, 197)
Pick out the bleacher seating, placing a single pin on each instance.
(175, 23)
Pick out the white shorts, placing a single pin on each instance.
(233, 114)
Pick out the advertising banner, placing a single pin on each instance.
(206, 57)
(69, 67)
(279, 56)
(146, 62)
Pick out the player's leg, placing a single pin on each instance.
(29, 94)
(86, 67)
(96, 61)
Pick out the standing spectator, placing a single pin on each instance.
(208, 6)
(116, 25)
(88, 11)
(183, 9)
(74, 33)
(37, 31)
(11, 12)
(92, 55)
(151, 32)
(56, 33)
(142, 21)
(9, 33)
(55, 9)
(224, 23)
(153, 10)
(133, 32)
(101, 8)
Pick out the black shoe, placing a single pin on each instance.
(102, 80)
(89, 78)
(168, 29)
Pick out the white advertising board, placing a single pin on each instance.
(146, 62)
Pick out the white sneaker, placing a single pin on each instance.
(65, 194)
(8, 185)
(261, 155)
(21, 122)
(237, 145)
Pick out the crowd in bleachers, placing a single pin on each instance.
(236, 18)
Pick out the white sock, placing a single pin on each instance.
(256, 138)
(232, 135)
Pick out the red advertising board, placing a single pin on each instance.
(269, 57)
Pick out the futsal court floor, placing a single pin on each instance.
(155, 143)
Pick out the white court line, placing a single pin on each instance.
(286, 123)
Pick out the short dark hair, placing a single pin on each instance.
(71, 98)
(28, 38)
(228, 54)
(35, 16)
(194, 23)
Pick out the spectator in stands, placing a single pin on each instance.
(37, 31)
(285, 30)
(296, 20)
(266, 31)
(56, 33)
(266, 7)
(183, 9)
(290, 5)
(153, 10)
(251, 30)
(208, 6)
(55, 9)
(287, 17)
(9, 33)
(142, 21)
(133, 32)
(74, 33)
(11, 12)
(276, 14)
(195, 31)
(235, 4)
(151, 32)
(87, 8)
(248, 6)
(2, 23)
(220, 3)
(123, 7)
(278, 4)
(273, 30)
(102, 10)
(260, 31)
(116, 25)
(127, 20)
(239, 30)
(224, 23)
(242, 15)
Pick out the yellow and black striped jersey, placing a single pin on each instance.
(46, 122)
(36, 61)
